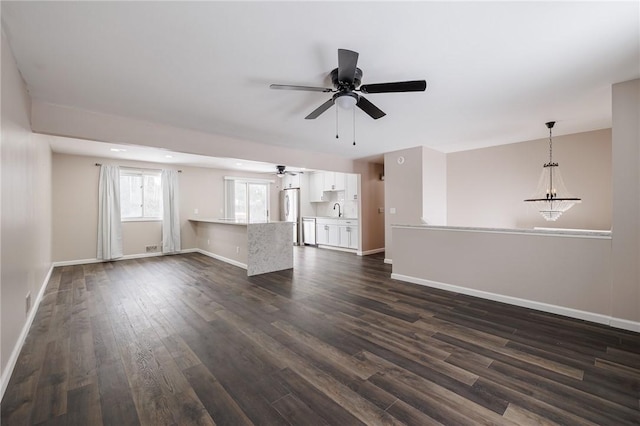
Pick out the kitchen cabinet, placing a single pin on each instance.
(337, 232)
(316, 187)
(351, 191)
(333, 181)
(348, 237)
(327, 234)
(291, 181)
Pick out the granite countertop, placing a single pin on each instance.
(231, 221)
(534, 231)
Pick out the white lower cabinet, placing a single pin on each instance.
(337, 232)
(322, 234)
(349, 237)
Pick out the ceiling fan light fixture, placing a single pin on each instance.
(280, 172)
(347, 100)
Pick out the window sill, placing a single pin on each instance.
(142, 219)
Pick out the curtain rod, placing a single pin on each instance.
(135, 168)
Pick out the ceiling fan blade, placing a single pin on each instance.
(322, 108)
(347, 61)
(305, 88)
(400, 86)
(370, 108)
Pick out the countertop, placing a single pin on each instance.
(534, 231)
(232, 221)
(329, 217)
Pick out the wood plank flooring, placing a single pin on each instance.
(189, 340)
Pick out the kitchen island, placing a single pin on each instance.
(258, 247)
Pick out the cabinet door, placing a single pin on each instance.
(291, 181)
(322, 234)
(351, 192)
(334, 236)
(316, 182)
(295, 181)
(344, 236)
(329, 181)
(339, 181)
(353, 237)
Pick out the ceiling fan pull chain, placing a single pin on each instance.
(337, 123)
(354, 127)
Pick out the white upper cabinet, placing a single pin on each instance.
(351, 191)
(291, 181)
(316, 187)
(334, 181)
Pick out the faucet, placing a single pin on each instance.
(334, 207)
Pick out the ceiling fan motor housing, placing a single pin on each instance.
(346, 86)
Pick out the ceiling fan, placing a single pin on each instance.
(346, 81)
(280, 171)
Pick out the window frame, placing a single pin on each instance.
(142, 173)
(247, 182)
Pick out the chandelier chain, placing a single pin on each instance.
(550, 148)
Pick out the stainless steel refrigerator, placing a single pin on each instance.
(290, 211)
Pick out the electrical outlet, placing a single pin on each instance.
(195, 211)
(208, 242)
(151, 249)
(28, 303)
(237, 249)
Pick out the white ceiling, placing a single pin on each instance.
(496, 72)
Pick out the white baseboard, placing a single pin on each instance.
(125, 257)
(539, 306)
(368, 252)
(625, 324)
(13, 358)
(389, 261)
(346, 250)
(222, 258)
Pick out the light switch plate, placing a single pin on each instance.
(392, 210)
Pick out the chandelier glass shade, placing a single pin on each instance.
(551, 198)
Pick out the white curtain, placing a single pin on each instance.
(170, 216)
(109, 225)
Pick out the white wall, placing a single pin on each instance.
(486, 187)
(569, 275)
(434, 187)
(626, 200)
(25, 243)
(416, 187)
(75, 205)
(82, 124)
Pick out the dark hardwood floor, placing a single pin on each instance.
(186, 339)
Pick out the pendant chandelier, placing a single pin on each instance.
(551, 197)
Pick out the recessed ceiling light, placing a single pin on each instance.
(238, 164)
(169, 156)
(118, 150)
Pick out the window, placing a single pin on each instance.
(140, 195)
(246, 199)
